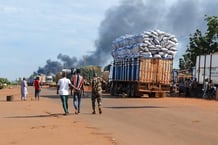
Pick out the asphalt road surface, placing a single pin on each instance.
(150, 121)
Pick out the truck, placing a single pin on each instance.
(139, 76)
(49, 79)
(206, 68)
(42, 78)
(67, 71)
(86, 71)
(142, 64)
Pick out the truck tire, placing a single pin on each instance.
(151, 94)
(163, 94)
(129, 90)
(112, 89)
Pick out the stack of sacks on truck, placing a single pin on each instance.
(150, 44)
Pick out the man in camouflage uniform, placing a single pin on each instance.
(97, 92)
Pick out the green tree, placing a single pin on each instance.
(4, 82)
(201, 44)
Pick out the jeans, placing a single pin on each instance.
(77, 101)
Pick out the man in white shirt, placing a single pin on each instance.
(63, 87)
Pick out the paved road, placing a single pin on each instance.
(157, 121)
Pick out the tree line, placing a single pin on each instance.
(201, 44)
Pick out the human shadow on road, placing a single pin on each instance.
(39, 116)
(58, 96)
(52, 96)
(133, 107)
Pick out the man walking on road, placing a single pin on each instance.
(97, 92)
(63, 87)
(77, 80)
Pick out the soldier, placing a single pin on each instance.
(97, 92)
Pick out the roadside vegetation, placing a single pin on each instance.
(4, 83)
(201, 43)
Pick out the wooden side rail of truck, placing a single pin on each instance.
(140, 76)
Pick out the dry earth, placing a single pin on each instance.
(32, 123)
(162, 121)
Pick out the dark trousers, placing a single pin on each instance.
(64, 100)
(37, 93)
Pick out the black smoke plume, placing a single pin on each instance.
(180, 18)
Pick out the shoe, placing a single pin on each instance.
(93, 112)
(76, 112)
(100, 111)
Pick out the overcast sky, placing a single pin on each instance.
(33, 31)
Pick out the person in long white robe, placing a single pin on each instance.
(24, 90)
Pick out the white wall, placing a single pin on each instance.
(214, 68)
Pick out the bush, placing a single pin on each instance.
(4, 82)
(1, 86)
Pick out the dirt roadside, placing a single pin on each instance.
(41, 123)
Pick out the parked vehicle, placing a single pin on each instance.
(49, 80)
(206, 68)
(86, 71)
(139, 76)
(143, 63)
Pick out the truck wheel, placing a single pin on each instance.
(151, 94)
(112, 89)
(129, 90)
(163, 94)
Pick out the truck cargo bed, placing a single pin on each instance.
(155, 71)
(142, 75)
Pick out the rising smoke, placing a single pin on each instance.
(181, 18)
